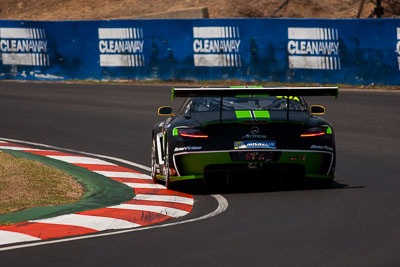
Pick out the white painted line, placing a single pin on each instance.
(165, 198)
(7, 237)
(19, 148)
(123, 174)
(144, 185)
(87, 221)
(81, 160)
(158, 209)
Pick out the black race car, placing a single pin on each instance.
(219, 132)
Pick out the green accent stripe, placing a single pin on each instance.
(175, 132)
(172, 94)
(255, 95)
(101, 191)
(243, 114)
(261, 115)
(242, 95)
(329, 130)
(187, 177)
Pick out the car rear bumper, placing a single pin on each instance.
(306, 163)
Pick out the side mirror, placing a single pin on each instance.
(317, 110)
(165, 111)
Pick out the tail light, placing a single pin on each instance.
(316, 131)
(172, 171)
(192, 133)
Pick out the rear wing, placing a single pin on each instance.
(254, 90)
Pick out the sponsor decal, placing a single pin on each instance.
(321, 147)
(24, 46)
(290, 97)
(187, 148)
(398, 46)
(254, 144)
(313, 48)
(121, 47)
(216, 46)
(252, 136)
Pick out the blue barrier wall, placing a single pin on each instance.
(278, 50)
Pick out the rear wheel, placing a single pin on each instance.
(167, 172)
(153, 161)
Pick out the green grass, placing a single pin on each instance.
(25, 184)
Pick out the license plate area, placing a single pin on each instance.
(254, 144)
(254, 156)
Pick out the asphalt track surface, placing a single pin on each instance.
(357, 223)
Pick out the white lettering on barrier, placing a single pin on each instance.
(216, 46)
(398, 46)
(111, 46)
(313, 48)
(24, 46)
(121, 47)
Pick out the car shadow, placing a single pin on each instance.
(199, 187)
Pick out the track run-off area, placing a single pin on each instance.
(152, 203)
(355, 223)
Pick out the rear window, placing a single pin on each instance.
(276, 103)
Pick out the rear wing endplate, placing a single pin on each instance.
(254, 90)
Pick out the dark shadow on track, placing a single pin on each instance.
(199, 187)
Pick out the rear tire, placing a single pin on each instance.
(167, 172)
(153, 161)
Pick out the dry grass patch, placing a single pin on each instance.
(26, 184)
(118, 9)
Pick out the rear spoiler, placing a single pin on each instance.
(254, 90)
